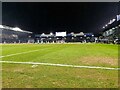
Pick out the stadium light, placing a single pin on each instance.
(17, 29)
(1, 26)
(113, 20)
(106, 25)
(103, 27)
(84, 35)
(93, 35)
(51, 33)
(118, 17)
(113, 28)
(43, 33)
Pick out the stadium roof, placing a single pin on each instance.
(13, 28)
(69, 34)
(112, 24)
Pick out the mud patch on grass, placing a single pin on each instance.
(100, 60)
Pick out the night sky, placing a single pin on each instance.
(47, 17)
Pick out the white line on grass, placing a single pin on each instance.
(62, 65)
(22, 53)
(18, 53)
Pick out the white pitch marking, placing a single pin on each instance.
(18, 53)
(62, 65)
(21, 53)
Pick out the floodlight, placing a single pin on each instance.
(1, 26)
(113, 28)
(51, 33)
(17, 29)
(118, 17)
(114, 20)
(106, 25)
(43, 33)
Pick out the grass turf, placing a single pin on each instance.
(25, 76)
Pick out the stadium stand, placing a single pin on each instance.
(62, 37)
(111, 31)
(14, 35)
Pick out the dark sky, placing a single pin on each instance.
(60, 16)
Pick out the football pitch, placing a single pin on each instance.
(59, 65)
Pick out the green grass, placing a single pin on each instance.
(24, 76)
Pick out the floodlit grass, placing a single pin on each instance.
(26, 76)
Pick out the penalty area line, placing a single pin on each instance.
(60, 65)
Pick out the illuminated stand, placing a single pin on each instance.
(75, 37)
(15, 35)
(62, 37)
(80, 37)
(111, 31)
